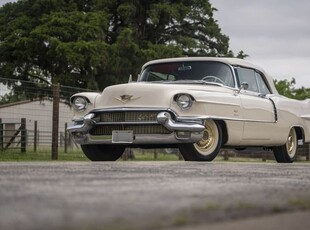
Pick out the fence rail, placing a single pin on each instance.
(19, 136)
(45, 110)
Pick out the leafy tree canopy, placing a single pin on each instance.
(95, 43)
(287, 89)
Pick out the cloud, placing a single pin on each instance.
(274, 33)
(2, 2)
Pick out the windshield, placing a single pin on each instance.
(201, 71)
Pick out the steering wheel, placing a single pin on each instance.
(213, 79)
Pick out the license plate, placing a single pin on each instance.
(122, 136)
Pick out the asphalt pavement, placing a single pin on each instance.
(153, 195)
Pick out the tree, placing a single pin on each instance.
(302, 93)
(96, 43)
(287, 88)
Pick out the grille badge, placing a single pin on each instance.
(126, 98)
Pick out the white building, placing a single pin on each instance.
(37, 110)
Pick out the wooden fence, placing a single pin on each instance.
(17, 135)
(9, 135)
(47, 104)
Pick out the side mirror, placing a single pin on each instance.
(244, 86)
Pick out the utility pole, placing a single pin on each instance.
(55, 121)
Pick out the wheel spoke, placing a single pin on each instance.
(209, 140)
(291, 143)
(208, 147)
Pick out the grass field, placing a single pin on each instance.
(41, 155)
(44, 154)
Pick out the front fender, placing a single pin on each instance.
(91, 99)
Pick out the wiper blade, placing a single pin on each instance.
(195, 82)
(204, 82)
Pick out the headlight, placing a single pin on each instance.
(184, 101)
(79, 104)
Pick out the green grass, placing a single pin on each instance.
(151, 155)
(44, 154)
(300, 203)
(41, 155)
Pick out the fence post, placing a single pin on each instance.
(308, 152)
(226, 156)
(1, 135)
(155, 154)
(23, 133)
(35, 138)
(55, 121)
(66, 137)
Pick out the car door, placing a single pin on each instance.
(258, 110)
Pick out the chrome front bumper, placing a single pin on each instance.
(182, 131)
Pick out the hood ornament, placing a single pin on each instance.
(126, 98)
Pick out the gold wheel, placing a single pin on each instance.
(287, 153)
(291, 143)
(210, 139)
(208, 147)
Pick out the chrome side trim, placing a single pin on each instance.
(275, 109)
(306, 117)
(221, 118)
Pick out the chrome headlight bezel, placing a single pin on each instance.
(79, 103)
(184, 101)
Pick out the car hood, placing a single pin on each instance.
(153, 95)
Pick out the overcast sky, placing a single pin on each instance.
(274, 33)
(5, 1)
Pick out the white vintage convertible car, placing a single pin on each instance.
(196, 104)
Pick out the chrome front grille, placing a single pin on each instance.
(128, 116)
(137, 129)
(140, 122)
